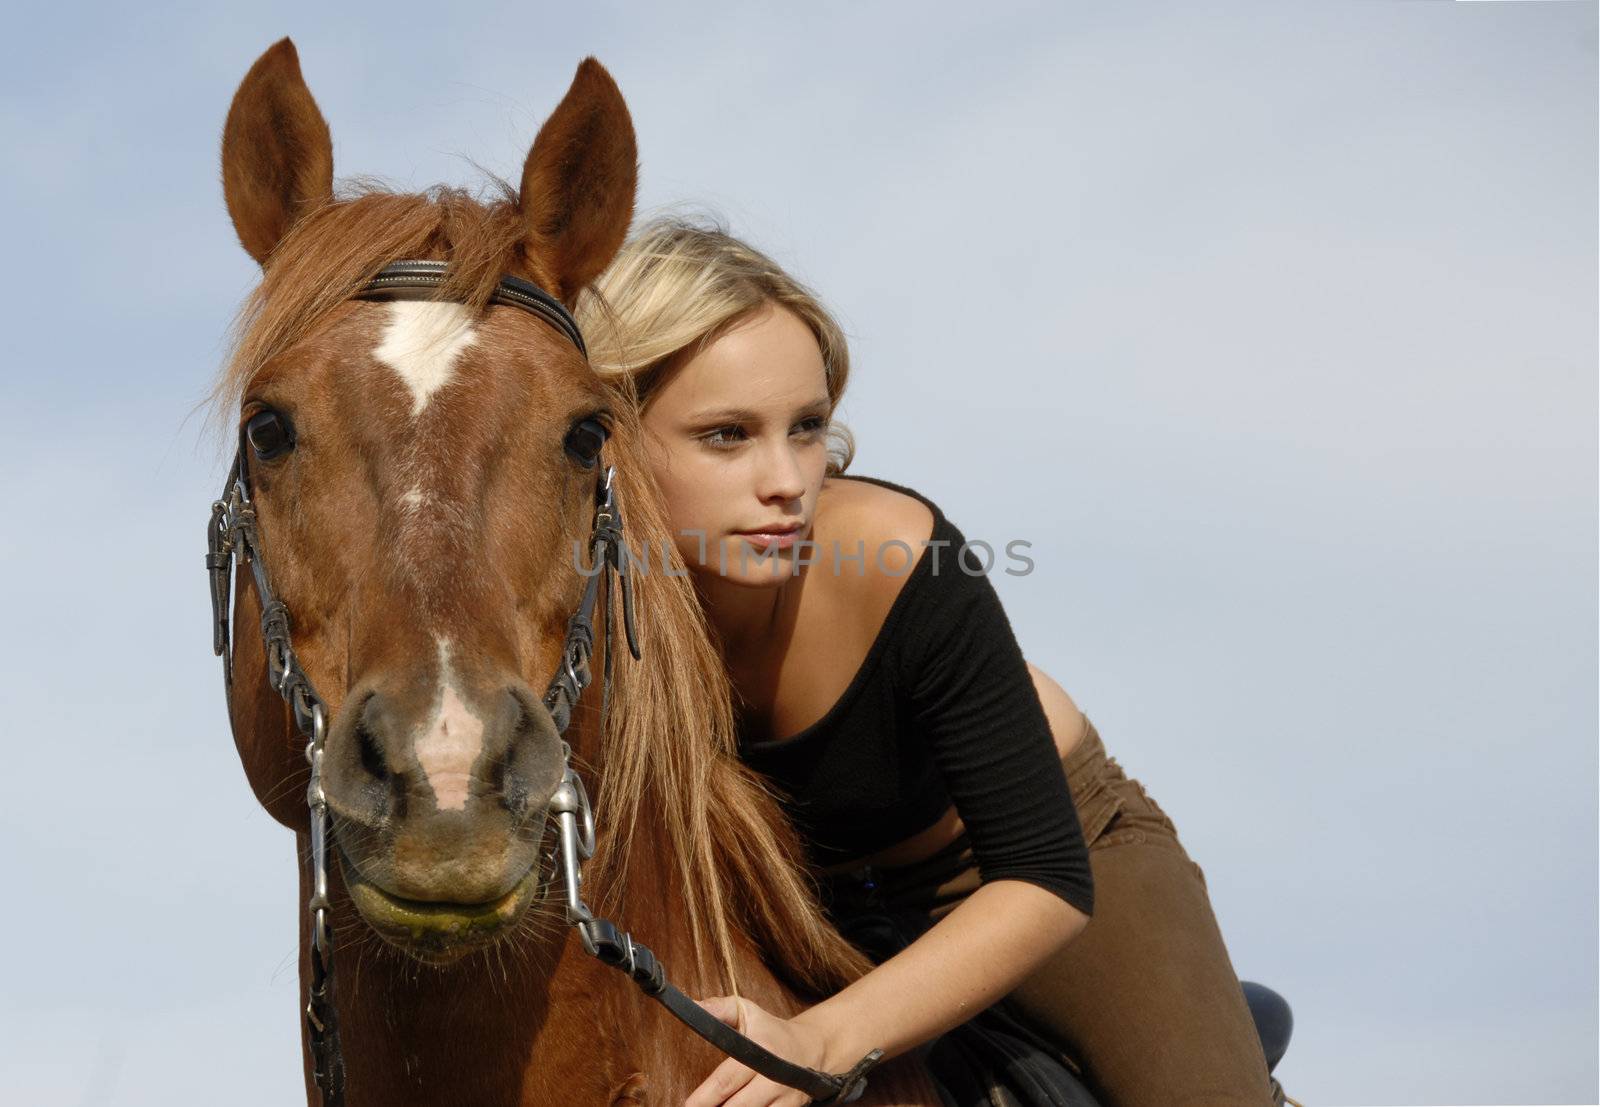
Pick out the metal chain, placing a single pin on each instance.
(232, 534)
(321, 1016)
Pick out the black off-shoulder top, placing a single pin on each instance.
(941, 711)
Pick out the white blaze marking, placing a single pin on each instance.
(421, 342)
(451, 742)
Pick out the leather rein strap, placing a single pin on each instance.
(232, 536)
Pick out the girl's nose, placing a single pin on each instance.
(780, 477)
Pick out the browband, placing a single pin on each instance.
(419, 280)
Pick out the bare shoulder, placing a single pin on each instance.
(846, 594)
(888, 527)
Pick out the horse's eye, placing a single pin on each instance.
(584, 442)
(270, 434)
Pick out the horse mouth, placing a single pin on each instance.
(438, 932)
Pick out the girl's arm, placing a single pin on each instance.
(966, 965)
(967, 961)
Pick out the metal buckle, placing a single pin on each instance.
(575, 843)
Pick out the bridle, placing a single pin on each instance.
(233, 535)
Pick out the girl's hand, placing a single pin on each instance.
(732, 1084)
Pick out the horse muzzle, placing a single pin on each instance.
(441, 931)
(440, 813)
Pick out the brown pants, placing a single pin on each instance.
(1144, 1003)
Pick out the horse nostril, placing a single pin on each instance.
(524, 724)
(500, 776)
(531, 766)
(372, 759)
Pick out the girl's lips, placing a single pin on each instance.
(782, 541)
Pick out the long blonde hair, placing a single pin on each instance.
(676, 286)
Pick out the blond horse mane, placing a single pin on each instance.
(668, 751)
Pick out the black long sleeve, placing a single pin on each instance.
(978, 710)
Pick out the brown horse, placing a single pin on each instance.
(419, 522)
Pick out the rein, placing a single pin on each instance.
(232, 535)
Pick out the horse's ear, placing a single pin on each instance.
(578, 183)
(277, 155)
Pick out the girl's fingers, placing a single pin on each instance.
(725, 1080)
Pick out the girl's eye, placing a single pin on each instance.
(584, 442)
(723, 437)
(726, 437)
(270, 434)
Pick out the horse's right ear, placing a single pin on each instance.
(578, 184)
(277, 154)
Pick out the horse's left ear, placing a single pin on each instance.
(578, 183)
(277, 155)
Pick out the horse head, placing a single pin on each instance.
(421, 472)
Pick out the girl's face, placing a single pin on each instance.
(738, 440)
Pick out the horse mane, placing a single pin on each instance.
(668, 749)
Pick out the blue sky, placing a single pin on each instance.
(1272, 326)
